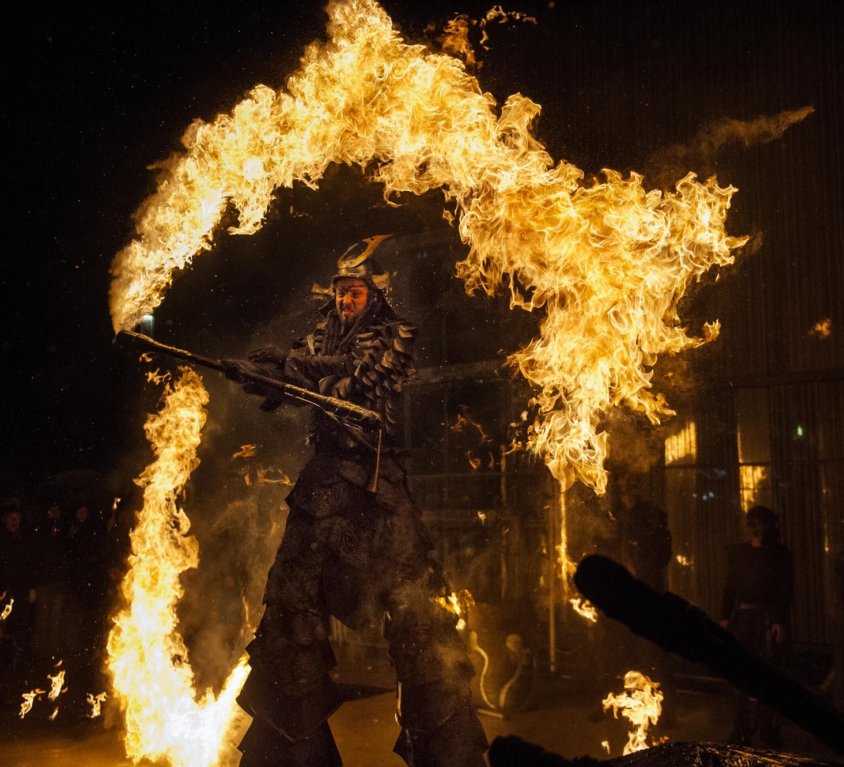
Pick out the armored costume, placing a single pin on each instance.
(358, 555)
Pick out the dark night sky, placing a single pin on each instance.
(93, 96)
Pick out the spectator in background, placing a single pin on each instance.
(756, 608)
(51, 584)
(643, 535)
(17, 586)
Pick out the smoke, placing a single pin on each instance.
(671, 163)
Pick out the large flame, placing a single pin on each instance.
(607, 262)
(147, 657)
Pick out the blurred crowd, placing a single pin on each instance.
(61, 562)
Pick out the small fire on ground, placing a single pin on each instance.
(641, 705)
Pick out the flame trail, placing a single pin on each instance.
(151, 677)
(607, 262)
(7, 609)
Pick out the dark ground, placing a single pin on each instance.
(564, 720)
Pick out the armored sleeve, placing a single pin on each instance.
(381, 363)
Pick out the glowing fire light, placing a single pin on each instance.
(605, 744)
(683, 560)
(640, 704)
(55, 713)
(457, 602)
(96, 703)
(822, 329)
(246, 451)
(585, 608)
(608, 262)
(270, 476)
(7, 609)
(165, 717)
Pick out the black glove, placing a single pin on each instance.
(239, 370)
(310, 368)
(268, 356)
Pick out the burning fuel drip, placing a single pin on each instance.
(165, 716)
(56, 685)
(7, 609)
(606, 261)
(96, 703)
(585, 609)
(641, 705)
(28, 701)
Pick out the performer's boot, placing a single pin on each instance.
(459, 741)
(264, 746)
(440, 727)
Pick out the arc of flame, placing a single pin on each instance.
(640, 704)
(607, 262)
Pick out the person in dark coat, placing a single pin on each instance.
(756, 608)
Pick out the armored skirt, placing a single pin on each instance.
(367, 560)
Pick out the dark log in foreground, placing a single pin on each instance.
(679, 627)
(512, 751)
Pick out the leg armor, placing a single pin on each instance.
(439, 725)
(289, 692)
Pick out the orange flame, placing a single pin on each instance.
(56, 685)
(165, 718)
(246, 451)
(7, 609)
(28, 701)
(640, 704)
(96, 703)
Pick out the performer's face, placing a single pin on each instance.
(350, 298)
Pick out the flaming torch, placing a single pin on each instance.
(607, 262)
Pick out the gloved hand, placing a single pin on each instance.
(311, 368)
(238, 370)
(295, 369)
(268, 354)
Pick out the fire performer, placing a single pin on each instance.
(354, 552)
